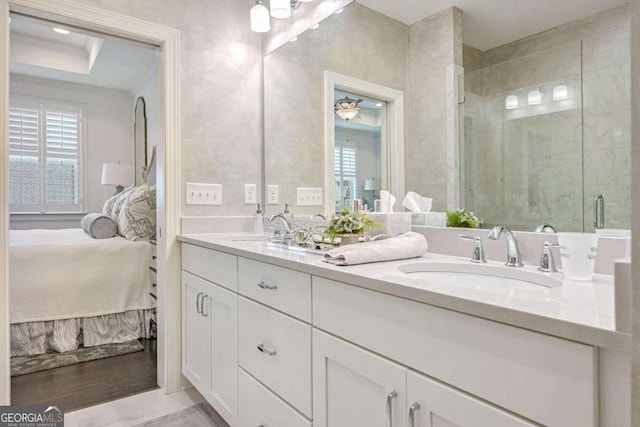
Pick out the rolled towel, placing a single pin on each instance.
(99, 226)
(407, 245)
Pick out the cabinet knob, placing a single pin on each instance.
(262, 285)
(412, 414)
(266, 351)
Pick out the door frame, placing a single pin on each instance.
(392, 151)
(168, 176)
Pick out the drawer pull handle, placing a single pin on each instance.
(263, 285)
(412, 414)
(390, 398)
(266, 351)
(198, 309)
(202, 306)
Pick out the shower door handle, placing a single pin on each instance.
(598, 211)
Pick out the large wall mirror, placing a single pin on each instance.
(140, 139)
(522, 133)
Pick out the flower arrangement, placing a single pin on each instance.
(347, 222)
(463, 218)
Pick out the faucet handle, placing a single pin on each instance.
(547, 262)
(478, 250)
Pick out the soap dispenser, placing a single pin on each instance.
(258, 226)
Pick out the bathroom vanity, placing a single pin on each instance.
(278, 338)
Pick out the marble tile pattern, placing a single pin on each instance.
(294, 91)
(635, 225)
(220, 84)
(549, 161)
(133, 410)
(435, 44)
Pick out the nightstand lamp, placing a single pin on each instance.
(117, 174)
(372, 185)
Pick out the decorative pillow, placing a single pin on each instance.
(137, 220)
(99, 226)
(110, 204)
(120, 201)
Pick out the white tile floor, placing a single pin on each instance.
(132, 410)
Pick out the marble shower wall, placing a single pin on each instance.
(545, 163)
(221, 89)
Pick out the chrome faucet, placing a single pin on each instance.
(513, 252)
(287, 224)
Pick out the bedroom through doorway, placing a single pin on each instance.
(84, 123)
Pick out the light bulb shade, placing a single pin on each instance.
(371, 184)
(534, 97)
(347, 113)
(511, 102)
(260, 18)
(280, 8)
(560, 92)
(117, 174)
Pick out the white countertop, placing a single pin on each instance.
(579, 311)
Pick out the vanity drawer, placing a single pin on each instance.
(214, 266)
(276, 349)
(546, 379)
(260, 407)
(283, 289)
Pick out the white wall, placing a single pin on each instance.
(109, 130)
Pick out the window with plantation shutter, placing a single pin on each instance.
(45, 147)
(345, 173)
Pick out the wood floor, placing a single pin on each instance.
(89, 383)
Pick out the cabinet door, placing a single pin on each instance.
(221, 309)
(195, 332)
(432, 404)
(353, 387)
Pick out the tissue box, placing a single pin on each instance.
(394, 223)
(433, 219)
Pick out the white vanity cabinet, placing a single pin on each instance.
(210, 335)
(308, 350)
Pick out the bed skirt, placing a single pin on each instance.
(31, 338)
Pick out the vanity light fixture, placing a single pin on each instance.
(260, 18)
(279, 9)
(535, 97)
(347, 108)
(560, 92)
(61, 30)
(511, 103)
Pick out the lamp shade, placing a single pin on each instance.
(280, 8)
(260, 18)
(117, 174)
(371, 184)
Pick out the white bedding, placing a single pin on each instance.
(62, 274)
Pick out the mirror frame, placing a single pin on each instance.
(140, 139)
(392, 151)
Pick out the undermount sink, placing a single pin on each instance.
(315, 249)
(468, 274)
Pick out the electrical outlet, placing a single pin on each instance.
(250, 197)
(272, 194)
(309, 196)
(203, 194)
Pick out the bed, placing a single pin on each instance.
(69, 289)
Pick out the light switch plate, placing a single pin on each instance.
(250, 197)
(309, 196)
(203, 194)
(272, 194)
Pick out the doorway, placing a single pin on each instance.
(111, 24)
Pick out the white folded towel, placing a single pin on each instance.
(407, 245)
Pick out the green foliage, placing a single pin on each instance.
(463, 218)
(348, 222)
